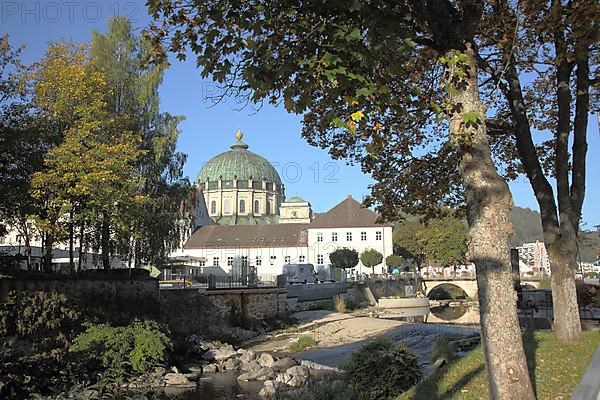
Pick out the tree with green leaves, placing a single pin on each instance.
(157, 225)
(92, 171)
(391, 85)
(24, 141)
(394, 261)
(371, 258)
(444, 239)
(541, 59)
(344, 258)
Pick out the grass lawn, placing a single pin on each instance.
(555, 369)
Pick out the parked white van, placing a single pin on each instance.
(300, 273)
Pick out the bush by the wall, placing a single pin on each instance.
(117, 351)
(381, 370)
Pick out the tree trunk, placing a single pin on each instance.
(489, 202)
(49, 243)
(105, 241)
(71, 243)
(563, 261)
(81, 246)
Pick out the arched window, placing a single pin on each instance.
(242, 206)
(267, 207)
(256, 207)
(213, 207)
(227, 206)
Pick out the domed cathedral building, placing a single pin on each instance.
(243, 221)
(240, 187)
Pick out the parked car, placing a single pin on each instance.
(300, 273)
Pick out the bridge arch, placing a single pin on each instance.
(468, 286)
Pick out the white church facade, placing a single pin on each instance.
(242, 213)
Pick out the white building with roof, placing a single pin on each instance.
(243, 213)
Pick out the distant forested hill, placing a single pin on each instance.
(528, 228)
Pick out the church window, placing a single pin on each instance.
(213, 207)
(268, 207)
(378, 235)
(363, 236)
(242, 206)
(242, 184)
(256, 206)
(227, 206)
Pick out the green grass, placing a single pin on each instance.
(555, 369)
(302, 343)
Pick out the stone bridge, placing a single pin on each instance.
(467, 284)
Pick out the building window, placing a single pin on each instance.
(267, 207)
(244, 261)
(348, 236)
(256, 207)
(213, 207)
(215, 261)
(378, 235)
(273, 258)
(320, 259)
(227, 206)
(229, 261)
(363, 236)
(202, 262)
(258, 261)
(302, 259)
(287, 259)
(242, 206)
(334, 236)
(319, 237)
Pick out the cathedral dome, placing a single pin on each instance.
(239, 163)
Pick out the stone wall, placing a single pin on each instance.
(116, 300)
(213, 313)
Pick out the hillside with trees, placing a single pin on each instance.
(443, 239)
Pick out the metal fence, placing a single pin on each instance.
(213, 282)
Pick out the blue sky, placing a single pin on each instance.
(208, 130)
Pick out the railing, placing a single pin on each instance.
(213, 282)
(447, 276)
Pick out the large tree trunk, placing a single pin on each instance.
(563, 262)
(489, 202)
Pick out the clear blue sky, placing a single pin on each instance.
(271, 132)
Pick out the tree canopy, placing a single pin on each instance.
(371, 258)
(344, 258)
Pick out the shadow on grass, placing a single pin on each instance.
(530, 345)
(429, 391)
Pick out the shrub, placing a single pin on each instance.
(117, 351)
(443, 349)
(302, 343)
(38, 315)
(381, 370)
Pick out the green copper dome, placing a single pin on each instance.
(296, 199)
(238, 163)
